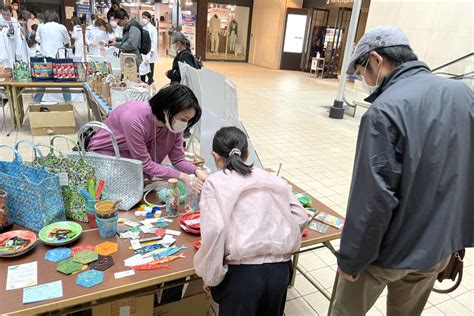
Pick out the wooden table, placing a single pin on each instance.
(18, 88)
(74, 294)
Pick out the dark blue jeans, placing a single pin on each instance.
(39, 95)
(253, 289)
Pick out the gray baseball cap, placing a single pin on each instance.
(179, 37)
(383, 36)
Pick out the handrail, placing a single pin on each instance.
(452, 62)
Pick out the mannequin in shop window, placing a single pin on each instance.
(214, 29)
(233, 35)
(182, 46)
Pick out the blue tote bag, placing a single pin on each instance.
(34, 194)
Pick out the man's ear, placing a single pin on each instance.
(377, 57)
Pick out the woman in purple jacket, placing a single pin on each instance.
(151, 131)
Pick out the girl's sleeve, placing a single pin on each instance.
(209, 260)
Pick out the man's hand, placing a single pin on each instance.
(346, 276)
(207, 289)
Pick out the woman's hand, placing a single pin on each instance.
(185, 178)
(201, 176)
(207, 289)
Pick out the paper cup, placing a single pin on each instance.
(107, 226)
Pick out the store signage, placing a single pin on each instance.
(188, 18)
(83, 9)
(294, 34)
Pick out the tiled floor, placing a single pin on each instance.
(286, 115)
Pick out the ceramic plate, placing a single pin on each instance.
(10, 251)
(45, 237)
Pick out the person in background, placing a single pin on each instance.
(114, 9)
(91, 27)
(98, 37)
(117, 29)
(183, 54)
(132, 34)
(32, 20)
(33, 47)
(77, 35)
(13, 32)
(411, 201)
(251, 223)
(52, 36)
(15, 11)
(152, 57)
(150, 131)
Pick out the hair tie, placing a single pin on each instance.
(235, 151)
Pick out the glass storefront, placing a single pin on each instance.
(227, 32)
(176, 16)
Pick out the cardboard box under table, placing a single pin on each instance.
(52, 119)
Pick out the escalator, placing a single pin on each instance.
(459, 69)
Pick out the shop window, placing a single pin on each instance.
(227, 32)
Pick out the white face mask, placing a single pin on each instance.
(368, 88)
(145, 21)
(175, 47)
(113, 23)
(178, 126)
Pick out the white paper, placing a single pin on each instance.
(22, 275)
(123, 274)
(150, 221)
(173, 232)
(135, 244)
(139, 261)
(132, 224)
(148, 229)
(193, 221)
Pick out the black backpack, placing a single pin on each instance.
(145, 40)
(197, 60)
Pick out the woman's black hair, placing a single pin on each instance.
(173, 99)
(122, 14)
(146, 14)
(227, 139)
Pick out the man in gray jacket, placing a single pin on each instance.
(412, 195)
(131, 40)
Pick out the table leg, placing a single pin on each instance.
(16, 105)
(21, 108)
(333, 294)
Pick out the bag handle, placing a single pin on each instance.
(66, 53)
(68, 139)
(17, 154)
(52, 149)
(99, 125)
(35, 148)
